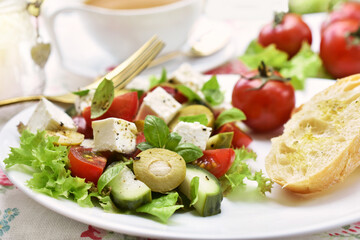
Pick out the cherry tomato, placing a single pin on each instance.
(340, 48)
(347, 10)
(240, 139)
(82, 127)
(287, 32)
(232, 67)
(124, 106)
(85, 163)
(268, 105)
(170, 90)
(217, 161)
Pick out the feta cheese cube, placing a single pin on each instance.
(82, 102)
(187, 76)
(160, 104)
(194, 133)
(47, 116)
(114, 134)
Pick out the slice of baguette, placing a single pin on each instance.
(320, 145)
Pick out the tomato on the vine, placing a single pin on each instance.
(347, 10)
(85, 163)
(340, 48)
(265, 97)
(217, 161)
(287, 31)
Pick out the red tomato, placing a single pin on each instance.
(266, 108)
(85, 163)
(124, 106)
(287, 33)
(170, 90)
(82, 127)
(347, 10)
(232, 67)
(139, 139)
(217, 161)
(339, 51)
(240, 139)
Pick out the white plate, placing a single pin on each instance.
(245, 214)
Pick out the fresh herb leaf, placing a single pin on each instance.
(49, 162)
(173, 141)
(144, 146)
(230, 115)
(163, 207)
(212, 93)
(110, 174)
(240, 170)
(194, 190)
(188, 151)
(255, 53)
(82, 93)
(155, 131)
(154, 81)
(103, 97)
(188, 93)
(303, 65)
(201, 118)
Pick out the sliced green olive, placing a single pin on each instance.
(221, 140)
(192, 110)
(140, 125)
(160, 169)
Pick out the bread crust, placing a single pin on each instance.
(334, 162)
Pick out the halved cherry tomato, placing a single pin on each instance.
(124, 106)
(240, 139)
(85, 163)
(287, 32)
(82, 127)
(217, 161)
(139, 139)
(170, 90)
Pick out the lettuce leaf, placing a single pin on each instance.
(303, 65)
(163, 207)
(239, 171)
(49, 163)
(255, 53)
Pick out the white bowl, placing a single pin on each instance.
(122, 32)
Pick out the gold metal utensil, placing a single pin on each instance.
(121, 75)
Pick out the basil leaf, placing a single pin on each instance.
(172, 141)
(190, 94)
(194, 190)
(201, 118)
(109, 175)
(103, 97)
(155, 131)
(188, 151)
(144, 146)
(230, 115)
(212, 93)
(156, 81)
(82, 93)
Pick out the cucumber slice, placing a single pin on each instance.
(209, 194)
(127, 192)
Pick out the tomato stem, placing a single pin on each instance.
(278, 18)
(265, 75)
(355, 37)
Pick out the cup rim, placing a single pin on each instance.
(141, 11)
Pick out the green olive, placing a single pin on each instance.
(221, 140)
(160, 169)
(192, 110)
